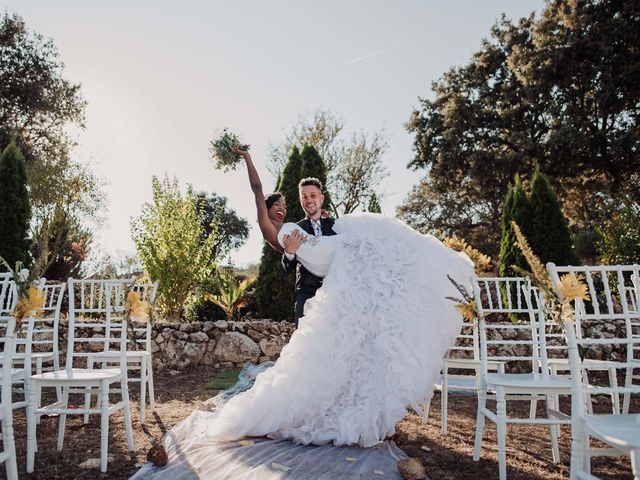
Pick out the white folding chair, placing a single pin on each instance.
(499, 300)
(86, 331)
(464, 357)
(616, 349)
(137, 360)
(43, 347)
(8, 453)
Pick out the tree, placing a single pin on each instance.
(168, 236)
(518, 210)
(558, 91)
(37, 104)
(68, 245)
(620, 235)
(314, 166)
(230, 231)
(274, 286)
(374, 205)
(354, 166)
(549, 234)
(15, 210)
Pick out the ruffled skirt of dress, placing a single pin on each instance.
(372, 342)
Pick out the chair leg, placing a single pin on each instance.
(533, 407)
(444, 401)
(152, 397)
(56, 367)
(63, 417)
(87, 395)
(482, 402)
(628, 381)
(9, 443)
(104, 425)
(32, 443)
(425, 414)
(635, 464)
(127, 415)
(501, 425)
(615, 398)
(553, 430)
(143, 388)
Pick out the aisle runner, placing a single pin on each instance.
(193, 456)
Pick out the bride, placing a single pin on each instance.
(371, 341)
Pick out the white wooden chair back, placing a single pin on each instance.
(8, 293)
(96, 308)
(498, 301)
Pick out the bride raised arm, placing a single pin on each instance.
(268, 226)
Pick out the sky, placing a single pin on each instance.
(160, 78)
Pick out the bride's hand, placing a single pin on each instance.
(238, 151)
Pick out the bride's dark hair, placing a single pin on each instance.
(271, 198)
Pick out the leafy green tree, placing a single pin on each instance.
(217, 218)
(274, 286)
(37, 105)
(168, 236)
(549, 233)
(15, 210)
(67, 248)
(374, 205)
(517, 209)
(620, 235)
(558, 90)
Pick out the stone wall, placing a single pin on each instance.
(178, 346)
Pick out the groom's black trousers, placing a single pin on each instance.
(301, 298)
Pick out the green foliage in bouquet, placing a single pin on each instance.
(221, 153)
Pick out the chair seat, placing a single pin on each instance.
(459, 383)
(78, 374)
(593, 364)
(620, 431)
(528, 381)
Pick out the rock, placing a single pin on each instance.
(412, 469)
(209, 357)
(94, 462)
(263, 359)
(198, 337)
(173, 373)
(191, 354)
(236, 347)
(154, 347)
(207, 326)
(271, 347)
(180, 335)
(222, 324)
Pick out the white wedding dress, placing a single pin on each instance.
(371, 343)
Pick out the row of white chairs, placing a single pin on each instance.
(515, 307)
(98, 336)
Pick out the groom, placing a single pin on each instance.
(311, 199)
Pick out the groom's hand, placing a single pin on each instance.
(292, 242)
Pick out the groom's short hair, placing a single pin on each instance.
(272, 198)
(310, 181)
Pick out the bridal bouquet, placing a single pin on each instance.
(220, 149)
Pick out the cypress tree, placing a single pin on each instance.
(516, 208)
(15, 211)
(549, 234)
(374, 205)
(314, 166)
(274, 286)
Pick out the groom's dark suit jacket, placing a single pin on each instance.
(306, 282)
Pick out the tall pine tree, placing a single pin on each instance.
(314, 166)
(516, 208)
(374, 204)
(274, 286)
(15, 210)
(549, 234)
